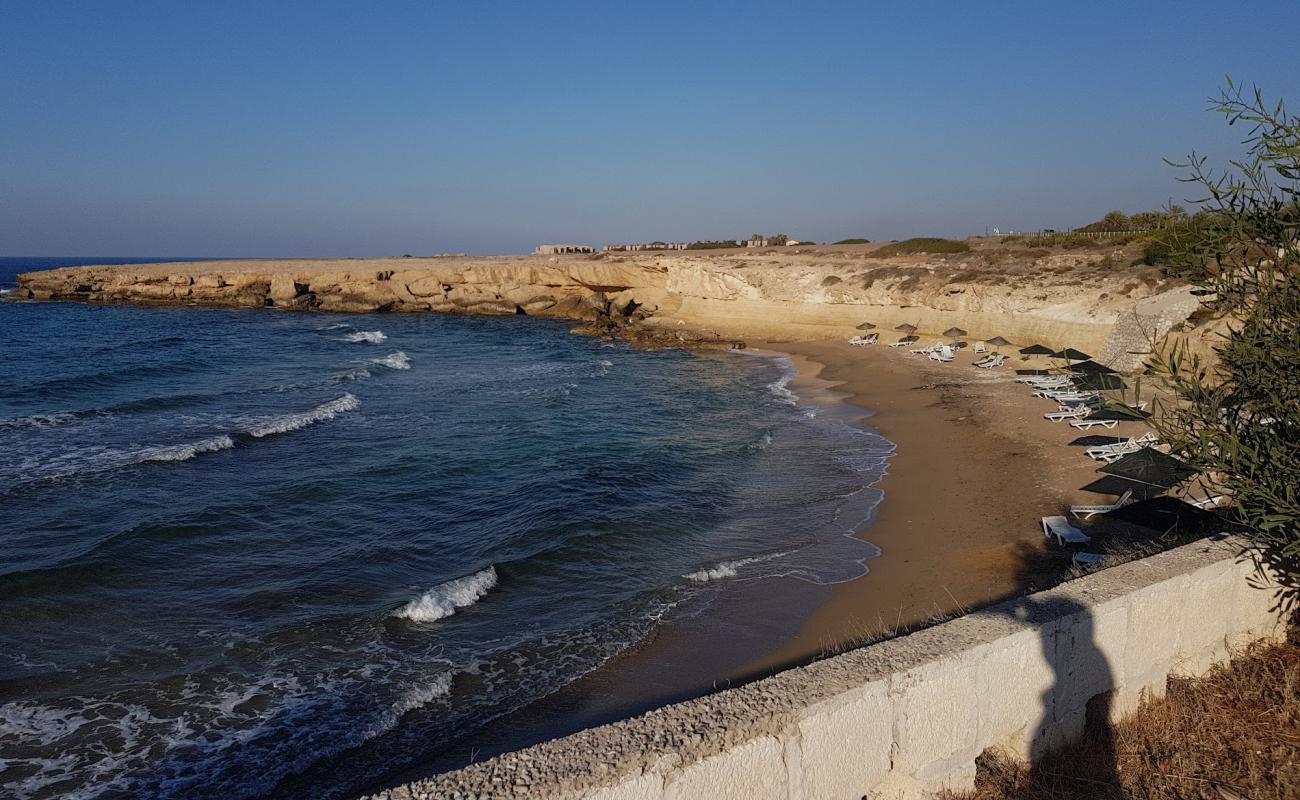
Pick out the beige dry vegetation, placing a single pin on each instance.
(1231, 735)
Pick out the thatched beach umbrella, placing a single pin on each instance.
(1035, 350)
(954, 331)
(866, 326)
(998, 341)
(906, 328)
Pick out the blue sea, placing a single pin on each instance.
(241, 548)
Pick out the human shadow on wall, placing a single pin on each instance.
(1070, 744)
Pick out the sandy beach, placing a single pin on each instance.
(976, 465)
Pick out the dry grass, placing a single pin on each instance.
(1232, 735)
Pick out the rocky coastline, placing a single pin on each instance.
(679, 299)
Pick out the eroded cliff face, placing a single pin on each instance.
(1056, 299)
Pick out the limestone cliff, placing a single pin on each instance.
(1059, 299)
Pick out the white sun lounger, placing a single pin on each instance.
(978, 347)
(1072, 398)
(1059, 528)
(996, 360)
(903, 342)
(1084, 512)
(861, 340)
(1087, 424)
(1113, 452)
(1038, 380)
(943, 355)
(1076, 413)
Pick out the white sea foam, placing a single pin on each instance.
(374, 337)
(443, 600)
(398, 360)
(184, 452)
(729, 569)
(781, 388)
(761, 444)
(293, 422)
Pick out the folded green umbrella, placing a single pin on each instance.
(1093, 367)
(1070, 354)
(1151, 467)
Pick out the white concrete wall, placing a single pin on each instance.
(902, 718)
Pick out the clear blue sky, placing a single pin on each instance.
(324, 128)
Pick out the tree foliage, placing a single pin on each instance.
(1237, 415)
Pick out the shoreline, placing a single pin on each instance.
(954, 532)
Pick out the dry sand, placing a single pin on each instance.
(975, 468)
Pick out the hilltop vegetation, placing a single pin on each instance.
(924, 244)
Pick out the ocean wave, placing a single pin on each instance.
(729, 569)
(443, 600)
(398, 360)
(374, 337)
(293, 422)
(184, 452)
(352, 375)
(49, 420)
(280, 722)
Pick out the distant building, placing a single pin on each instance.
(559, 249)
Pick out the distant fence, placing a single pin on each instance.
(1089, 234)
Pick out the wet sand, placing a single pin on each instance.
(975, 468)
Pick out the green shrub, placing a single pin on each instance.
(924, 244)
(1237, 416)
(711, 245)
(1183, 249)
(854, 241)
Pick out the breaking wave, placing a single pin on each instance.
(184, 452)
(781, 388)
(374, 337)
(443, 600)
(352, 375)
(398, 360)
(293, 422)
(729, 569)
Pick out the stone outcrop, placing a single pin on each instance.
(1060, 299)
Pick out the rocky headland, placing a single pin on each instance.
(1092, 300)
